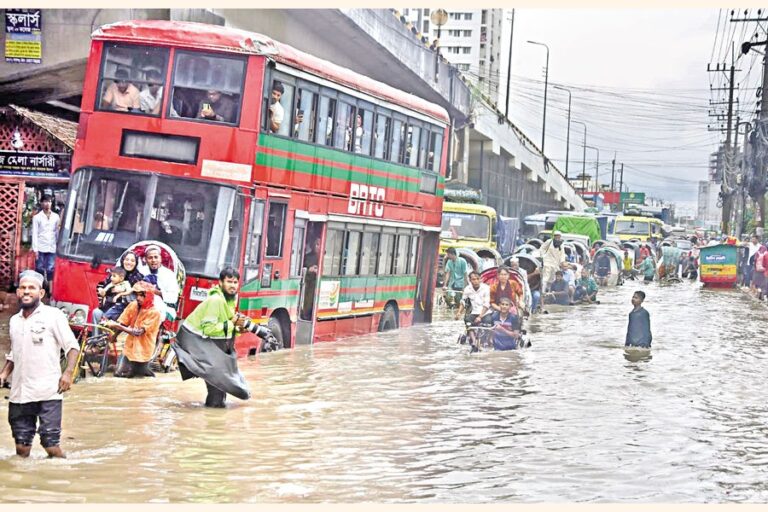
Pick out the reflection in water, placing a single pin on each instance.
(411, 416)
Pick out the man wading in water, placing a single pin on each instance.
(206, 341)
(639, 328)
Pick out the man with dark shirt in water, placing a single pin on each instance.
(639, 328)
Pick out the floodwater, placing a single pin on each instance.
(410, 416)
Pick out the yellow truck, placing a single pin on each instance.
(472, 226)
(627, 227)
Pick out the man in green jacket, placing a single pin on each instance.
(205, 342)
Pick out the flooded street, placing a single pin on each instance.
(412, 417)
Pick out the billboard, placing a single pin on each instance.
(633, 197)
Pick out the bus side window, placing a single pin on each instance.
(254, 241)
(297, 248)
(398, 132)
(401, 254)
(410, 155)
(435, 152)
(325, 117)
(275, 230)
(345, 117)
(306, 113)
(362, 131)
(381, 135)
(414, 254)
(386, 248)
(369, 250)
(351, 253)
(424, 161)
(332, 256)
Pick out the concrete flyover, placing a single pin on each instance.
(497, 158)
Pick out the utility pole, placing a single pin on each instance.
(762, 123)
(621, 186)
(743, 176)
(757, 190)
(726, 193)
(509, 71)
(613, 173)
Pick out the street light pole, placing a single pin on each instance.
(546, 83)
(597, 170)
(583, 156)
(568, 133)
(509, 64)
(439, 17)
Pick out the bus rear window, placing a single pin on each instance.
(207, 87)
(132, 79)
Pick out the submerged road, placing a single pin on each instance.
(410, 416)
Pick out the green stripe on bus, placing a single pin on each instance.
(336, 156)
(373, 287)
(277, 285)
(326, 171)
(270, 302)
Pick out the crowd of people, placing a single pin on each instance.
(137, 296)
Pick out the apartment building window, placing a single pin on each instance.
(466, 49)
(484, 17)
(468, 16)
(426, 12)
(426, 27)
(467, 33)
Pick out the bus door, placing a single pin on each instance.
(425, 276)
(306, 256)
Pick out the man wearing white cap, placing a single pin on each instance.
(164, 279)
(553, 255)
(38, 332)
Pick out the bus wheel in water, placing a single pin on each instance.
(275, 326)
(388, 319)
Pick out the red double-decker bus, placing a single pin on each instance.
(322, 186)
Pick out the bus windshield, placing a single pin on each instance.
(465, 225)
(631, 227)
(109, 210)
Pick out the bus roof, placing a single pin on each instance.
(468, 208)
(225, 39)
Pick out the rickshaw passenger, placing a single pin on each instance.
(506, 326)
(505, 287)
(142, 322)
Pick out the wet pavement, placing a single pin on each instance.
(410, 416)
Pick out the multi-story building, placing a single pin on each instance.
(708, 212)
(472, 40)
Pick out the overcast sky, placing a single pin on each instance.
(639, 81)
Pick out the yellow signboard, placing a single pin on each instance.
(23, 36)
(719, 270)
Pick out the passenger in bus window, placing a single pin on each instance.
(151, 97)
(121, 95)
(359, 134)
(298, 121)
(216, 106)
(276, 111)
